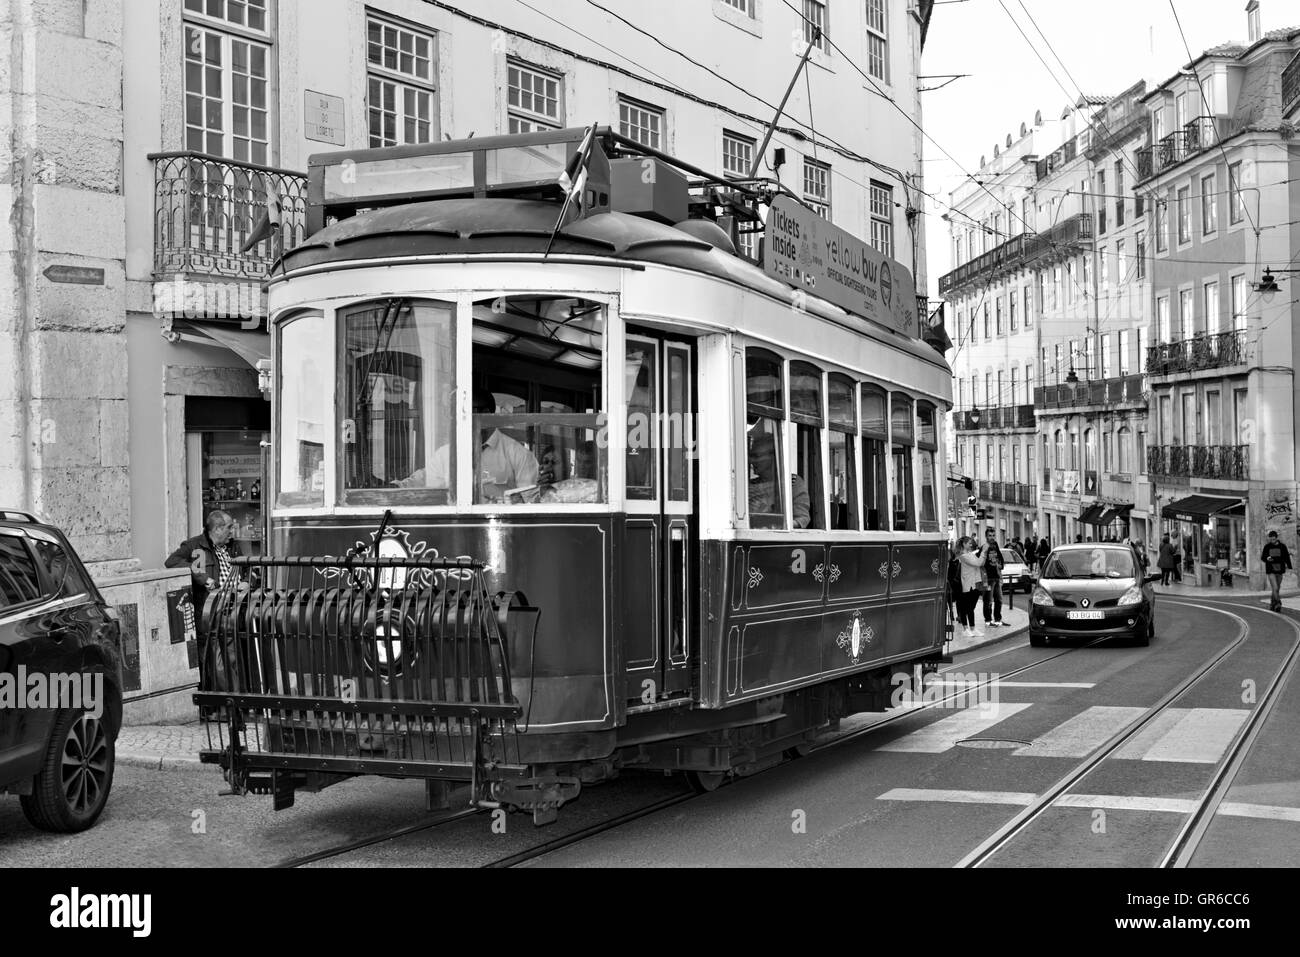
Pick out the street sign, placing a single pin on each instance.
(324, 120)
(81, 275)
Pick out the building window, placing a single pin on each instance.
(1238, 303)
(882, 217)
(227, 82)
(1162, 319)
(744, 6)
(737, 154)
(1144, 342)
(400, 89)
(1185, 215)
(1056, 355)
(1162, 225)
(1011, 310)
(1141, 263)
(641, 122)
(1120, 277)
(1209, 206)
(878, 39)
(988, 329)
(1070, 283)
(1029, 382)
(1122, 447)
(1213, 416)
(1124, 365)
(1212, 308)
(1029, 308)
(535, 98)
(1119, 193)
(1105, 270)
(1236, 206)
(1105, 355)
(997, 308)
(1186, 316)
(1015, 386)
(815, 24)
(988, 391)
(1101, 202)
(817, 187)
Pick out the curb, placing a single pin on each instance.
(156, 760)
(1023, 630)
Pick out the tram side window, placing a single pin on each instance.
(306, 365)
(538, 365)
(807, 498)
(843, 422)
(927, 446)
(765, 415)
(398, 430)
(902, 433)
(875, 474)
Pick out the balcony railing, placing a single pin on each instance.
(1117, 391)
(1119, 130)
(1203, 351)
(1200, 461)
(1291, 85)
(1008, 493)
(998, 417)
(1197, 136)
(1050, 164)
(206, 207)
(1020, 252)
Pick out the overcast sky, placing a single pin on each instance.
(1106, 46)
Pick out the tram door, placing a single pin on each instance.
(660, 531)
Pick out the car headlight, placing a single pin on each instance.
(1042, 596)
(1131, 597)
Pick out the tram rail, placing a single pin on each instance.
(1184, 845)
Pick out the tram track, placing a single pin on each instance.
(599, 828)
(1183, 847)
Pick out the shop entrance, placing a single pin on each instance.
(225, 464)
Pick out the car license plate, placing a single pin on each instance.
(1084, 615)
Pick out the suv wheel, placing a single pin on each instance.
(73, 784)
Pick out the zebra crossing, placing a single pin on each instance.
(1179, 735)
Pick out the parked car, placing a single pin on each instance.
(1091, 591)
(56, 631)
(1015, 572)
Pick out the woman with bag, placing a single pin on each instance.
(1168, 560)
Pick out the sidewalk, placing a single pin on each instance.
(161, 746)
(1017, 623)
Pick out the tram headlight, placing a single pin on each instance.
(1041, 596)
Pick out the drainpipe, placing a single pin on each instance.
(22, 224)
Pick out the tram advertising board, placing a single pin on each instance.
(805, 251)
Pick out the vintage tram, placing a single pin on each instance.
(563, 484)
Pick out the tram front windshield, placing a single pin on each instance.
(536, 386)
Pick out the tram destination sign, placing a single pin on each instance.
(805, 251)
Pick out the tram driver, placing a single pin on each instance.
(502, 462)
(764, 496)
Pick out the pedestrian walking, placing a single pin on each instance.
(1167, 561)
(1044, 549)
(1277, 562)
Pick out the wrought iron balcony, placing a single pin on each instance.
(1199, 135)
(1200, 461)
(1103, 392)
(206, 207)
(1020, 252)
(1106, 136)
(1008, 493)
(998, 417)
(1202, 351)
(1050, 164)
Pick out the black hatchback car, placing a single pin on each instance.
(60, 678)
(1092, 591)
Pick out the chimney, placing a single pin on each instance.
(1252, 21)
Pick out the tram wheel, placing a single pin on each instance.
(798, 751)
(704, 782)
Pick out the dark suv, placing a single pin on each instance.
(60, 678)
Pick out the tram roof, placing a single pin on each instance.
(505, 226)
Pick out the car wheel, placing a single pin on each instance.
(1037, 641)
(72, 787)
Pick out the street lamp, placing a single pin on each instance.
(1267, 286)
(974, 417)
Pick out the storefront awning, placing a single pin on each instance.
(250, 345)
(1115, 512)
(1199, 508)
(1089, 515)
